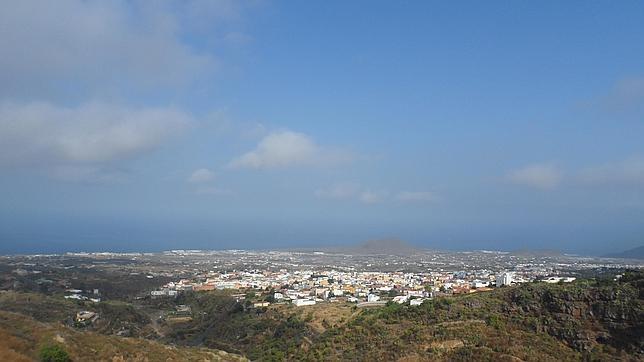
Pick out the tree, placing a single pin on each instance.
(54, 353)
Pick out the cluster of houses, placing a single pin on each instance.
(78, 294)
(308, 287)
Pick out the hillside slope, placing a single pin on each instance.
(585, 320)
(635, 253)
(21, 337)
(595, 320)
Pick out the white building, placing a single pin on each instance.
(303, 302)
(417, 301)
(401, 299)
(479, 284)
(326, 294)
(372, 298)
(553, 280)
(75, 296)
(504, 279)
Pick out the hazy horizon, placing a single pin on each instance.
(157, 238)
(136, 126)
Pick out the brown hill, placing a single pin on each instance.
(21, 338)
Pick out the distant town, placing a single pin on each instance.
(373, 280)
(305, 278)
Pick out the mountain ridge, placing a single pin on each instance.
(634, 253)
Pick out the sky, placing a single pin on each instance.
(156, 125)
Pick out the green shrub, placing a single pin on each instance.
(495, 322)
(54, 353)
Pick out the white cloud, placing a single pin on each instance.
(202, 179)
(106, 45)
(372, 197)
(540, 176)
(88, 134)
(60, 60)
(624, 173)
(345, 190)
(415, 196)
(627, 95)
(201, 175)
(288, 149)
(254, 130)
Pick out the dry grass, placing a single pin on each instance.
(12, 348)
(321, 316)
(21, 337)
(449, 344)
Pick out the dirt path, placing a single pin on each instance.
(154, 318)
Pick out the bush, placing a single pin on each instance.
(54, 353)
(495, 322)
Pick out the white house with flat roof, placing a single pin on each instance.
(303, 302)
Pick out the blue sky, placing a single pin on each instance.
(130, 125)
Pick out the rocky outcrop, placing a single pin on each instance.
(586, 314)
